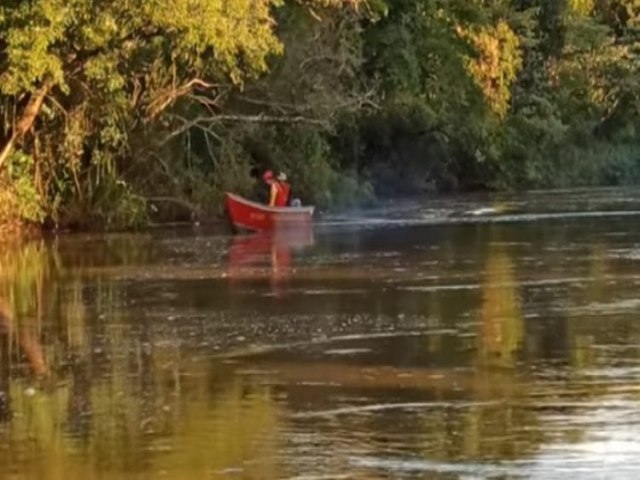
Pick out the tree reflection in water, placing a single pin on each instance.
(87, 390)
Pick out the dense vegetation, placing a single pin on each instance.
(112, 113)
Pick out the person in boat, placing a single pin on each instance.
(278, 189)
(285, 189)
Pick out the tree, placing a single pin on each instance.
(77, 77)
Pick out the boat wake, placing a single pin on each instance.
(475, 216)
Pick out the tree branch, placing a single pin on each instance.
(271, 119)
(279, 106)
(166, 98)
(202, 122)
(28, 117)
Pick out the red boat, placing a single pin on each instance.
(248, 215)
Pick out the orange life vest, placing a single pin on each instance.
(282, 197)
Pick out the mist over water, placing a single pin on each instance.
(476, 337)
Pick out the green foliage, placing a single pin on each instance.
(119, 207)
(20, 196)
(231, 174)
(79, 79)
(536, 93)
(306, 156)
(104, 106)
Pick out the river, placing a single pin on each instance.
(461, 338)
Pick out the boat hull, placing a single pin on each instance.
(247, 215)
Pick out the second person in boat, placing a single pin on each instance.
(285, 189)
(279, 189)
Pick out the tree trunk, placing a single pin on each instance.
(24, 124)
(7, 149)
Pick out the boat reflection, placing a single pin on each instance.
(267, 255)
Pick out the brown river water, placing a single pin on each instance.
(464, 338)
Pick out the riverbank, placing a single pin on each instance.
(353, 104)
(427, 208)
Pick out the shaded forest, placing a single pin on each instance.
(112, 115)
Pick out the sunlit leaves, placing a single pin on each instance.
(581, 7)
(30, 30)
(496, 64)
(240, 32)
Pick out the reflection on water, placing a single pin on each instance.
(250, 255)
(501, 319)
(489, 350)
(118, 398)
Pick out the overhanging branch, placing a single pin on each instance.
(204, 123)
(272, 119)
(169, 96)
